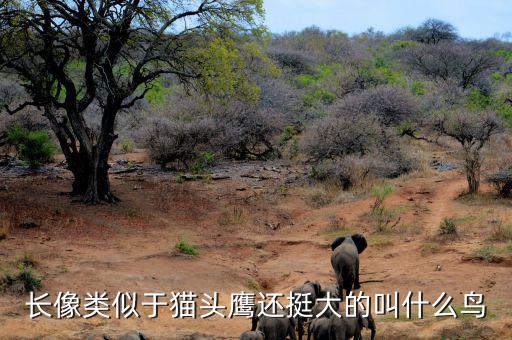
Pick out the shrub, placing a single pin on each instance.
(392, 105)
(184, 247)
(502, 182)
(501, 232)
(333, 138)
(448, 227)
(24, 280)
(254, 284)
(246, 132)
(34, 147)
(169, 141)
(319, 198)
(487, 253)
(127, 145)
(351, 151)
(383, 216)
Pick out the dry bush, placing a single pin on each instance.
(392, 105)
(29, 119)
(247, 133)
(333, 138)
(170, 141)
(351, 152)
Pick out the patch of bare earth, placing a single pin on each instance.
(253, 226)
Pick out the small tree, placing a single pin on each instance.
(432, 31)
(472, 130)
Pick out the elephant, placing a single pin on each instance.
(133, 336)
(252, 335)
(255, 316)
(319, 329)
(345, 261)
(314, 289)
(319, 307)
(347, 328)
(277, 327)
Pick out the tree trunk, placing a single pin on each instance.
(98, 183)
(473, 172)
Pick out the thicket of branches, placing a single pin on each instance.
(347, 105)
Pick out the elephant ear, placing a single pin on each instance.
(337, 242)
(360, 242)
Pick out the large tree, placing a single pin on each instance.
(71, 55)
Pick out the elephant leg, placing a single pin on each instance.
(339, 279)
(309, 330)
(254, 323)
(357, 334)
(357, 285)
(300, 327)
(291, 332)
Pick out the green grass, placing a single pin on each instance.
(23, 280)
(448, 227)
(501, 232)
(184, 247)
(430, 248)
(253, 284)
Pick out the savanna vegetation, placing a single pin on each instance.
(226, 89)
(202, 92)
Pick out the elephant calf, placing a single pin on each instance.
(252, 335)
(345, 261)
(277, 327)
(313, 291)
(347, 328)
(319, 329)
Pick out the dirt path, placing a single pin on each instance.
(130, 247)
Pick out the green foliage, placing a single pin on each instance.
(478, 100)
(205, 160)
(288, 133)
(418, 88)
(506, 54)
(391, 77)
(184, 247)
(321, 73)
(319, 96)
(253, 284)
(448, 227)
(227, 68)
(34, 147)
(383, 216)
(22, 281)
(380, 192)
(157, 95)
(127, 145)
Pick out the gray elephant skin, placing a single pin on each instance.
(345, 261)
(252, 335)
(277, 328)
(347, 328)
(313, 289)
